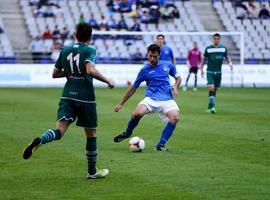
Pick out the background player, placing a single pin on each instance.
(77, 63)
(193, 61)
(214, 54)
(159, 97)
(166, 52)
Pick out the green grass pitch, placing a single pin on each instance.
(212, 156)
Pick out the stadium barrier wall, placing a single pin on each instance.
(39, 75)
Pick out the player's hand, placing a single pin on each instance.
(117, 107)
(68, 77)
(111, 84)
(175, 91)
(231, 66)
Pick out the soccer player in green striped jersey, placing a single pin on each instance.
(76, 62)
(214, 54)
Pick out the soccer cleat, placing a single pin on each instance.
(27, 153)
(213, 110)
(120, 137)
(161, 148)
(101, 173)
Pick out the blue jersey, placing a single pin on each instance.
(157, 80)
(166, 54)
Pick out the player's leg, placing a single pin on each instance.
(186, 84)
(217, 83)
(195, 78)
(65, 116)
(211, 94)
(48, 136)
(172, 113)
(87, 118)
(211, 91)
(139, 112)
(91, 155)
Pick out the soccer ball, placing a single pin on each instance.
(136, 144)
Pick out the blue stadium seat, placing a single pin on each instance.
(10, 60)
(251, 61)
(2, 60)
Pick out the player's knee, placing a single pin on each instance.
(137, 115)
(211, 89)
(174, 119)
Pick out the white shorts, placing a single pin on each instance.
(161, 107)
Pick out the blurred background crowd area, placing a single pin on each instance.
(36, 30)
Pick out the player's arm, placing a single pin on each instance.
(174, 61)
(202, 65)
(229, 60)
(173, 58)
(204, 57)
(176, 85)
(177, 78)
(91, 70)
(188, 57)
(58, 73)
(131, 90)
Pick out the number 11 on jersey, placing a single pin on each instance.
(76, 58)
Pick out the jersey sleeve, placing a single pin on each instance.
(58, 65)
(140, 78)
(173, 72)
(91, 56)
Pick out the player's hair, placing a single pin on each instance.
(216, 35)
(160, 35)
(83, 32)
(153, 48)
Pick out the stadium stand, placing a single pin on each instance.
(71, 11)
(256, 30)
(182, 17)
(6, 51)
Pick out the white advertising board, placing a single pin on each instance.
(39, 75)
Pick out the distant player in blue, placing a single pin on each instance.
(158, 97)
(166, 52)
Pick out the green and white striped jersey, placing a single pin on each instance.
(72, 60)
(215, 57)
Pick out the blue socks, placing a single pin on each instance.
(166, 134)
(50, 135)
(131, 125)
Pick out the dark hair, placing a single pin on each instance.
(83, 32)
(216, 35)
(153, 48)
(160, 35)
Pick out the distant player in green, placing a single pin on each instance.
(76, 62)
(214, 54)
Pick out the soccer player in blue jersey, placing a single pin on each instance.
(158, 97)
(166, 52)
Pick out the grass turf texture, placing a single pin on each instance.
(212, 156)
